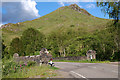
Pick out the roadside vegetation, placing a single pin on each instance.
(82, 61)
(29, 70)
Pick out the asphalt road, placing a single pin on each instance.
(88, 70)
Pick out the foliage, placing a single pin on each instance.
(71, 43)
(32, 40)
(31, 63)
(111, 8)
(36, 53)
(32, 72)
(11, 67)
(16, 46)
(3, 49)
(28, 43)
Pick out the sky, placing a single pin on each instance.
(14, 12)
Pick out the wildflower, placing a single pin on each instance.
(25, 64)
(14, 68)
(20, 65)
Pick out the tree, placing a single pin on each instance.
(32, 40)
(111, 8)
(16, 46)
(3, 49)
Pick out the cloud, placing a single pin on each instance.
(90, 6)
(1, 25)
(68, 0)
(64, 2)
(19, 11)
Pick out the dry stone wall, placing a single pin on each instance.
(44, 57)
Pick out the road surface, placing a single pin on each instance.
(88, 70)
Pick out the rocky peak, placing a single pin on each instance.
(75, 7)
(78, 9)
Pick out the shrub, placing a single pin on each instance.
(72, 25)
(31, 63)
(10, 67)
(37, 53)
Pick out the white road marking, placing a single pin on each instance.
(79, 75)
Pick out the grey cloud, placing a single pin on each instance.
(19, 11)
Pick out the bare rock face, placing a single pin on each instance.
(78, 9)
(75, 7)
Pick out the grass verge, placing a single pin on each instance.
(82, 61)
(43, 71)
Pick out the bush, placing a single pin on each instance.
(10, 67)
(93, 59)
(37, 53)
(72, 25)
(31, 63)
(13, 67)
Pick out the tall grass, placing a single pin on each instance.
(43, 71)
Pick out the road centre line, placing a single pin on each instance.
(79, 75)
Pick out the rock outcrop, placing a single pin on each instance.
(78, 9)
(75, 7)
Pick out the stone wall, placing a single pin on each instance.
(43, 58)
(26, 59)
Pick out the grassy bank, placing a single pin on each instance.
(43, 71)
(82, 61)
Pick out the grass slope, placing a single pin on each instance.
(62, 18)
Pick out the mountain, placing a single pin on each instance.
(67, 17)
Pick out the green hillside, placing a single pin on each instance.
(68, 17)
(67, 31)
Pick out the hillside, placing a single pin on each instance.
(63, 18)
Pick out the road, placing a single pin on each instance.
(88, 70)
